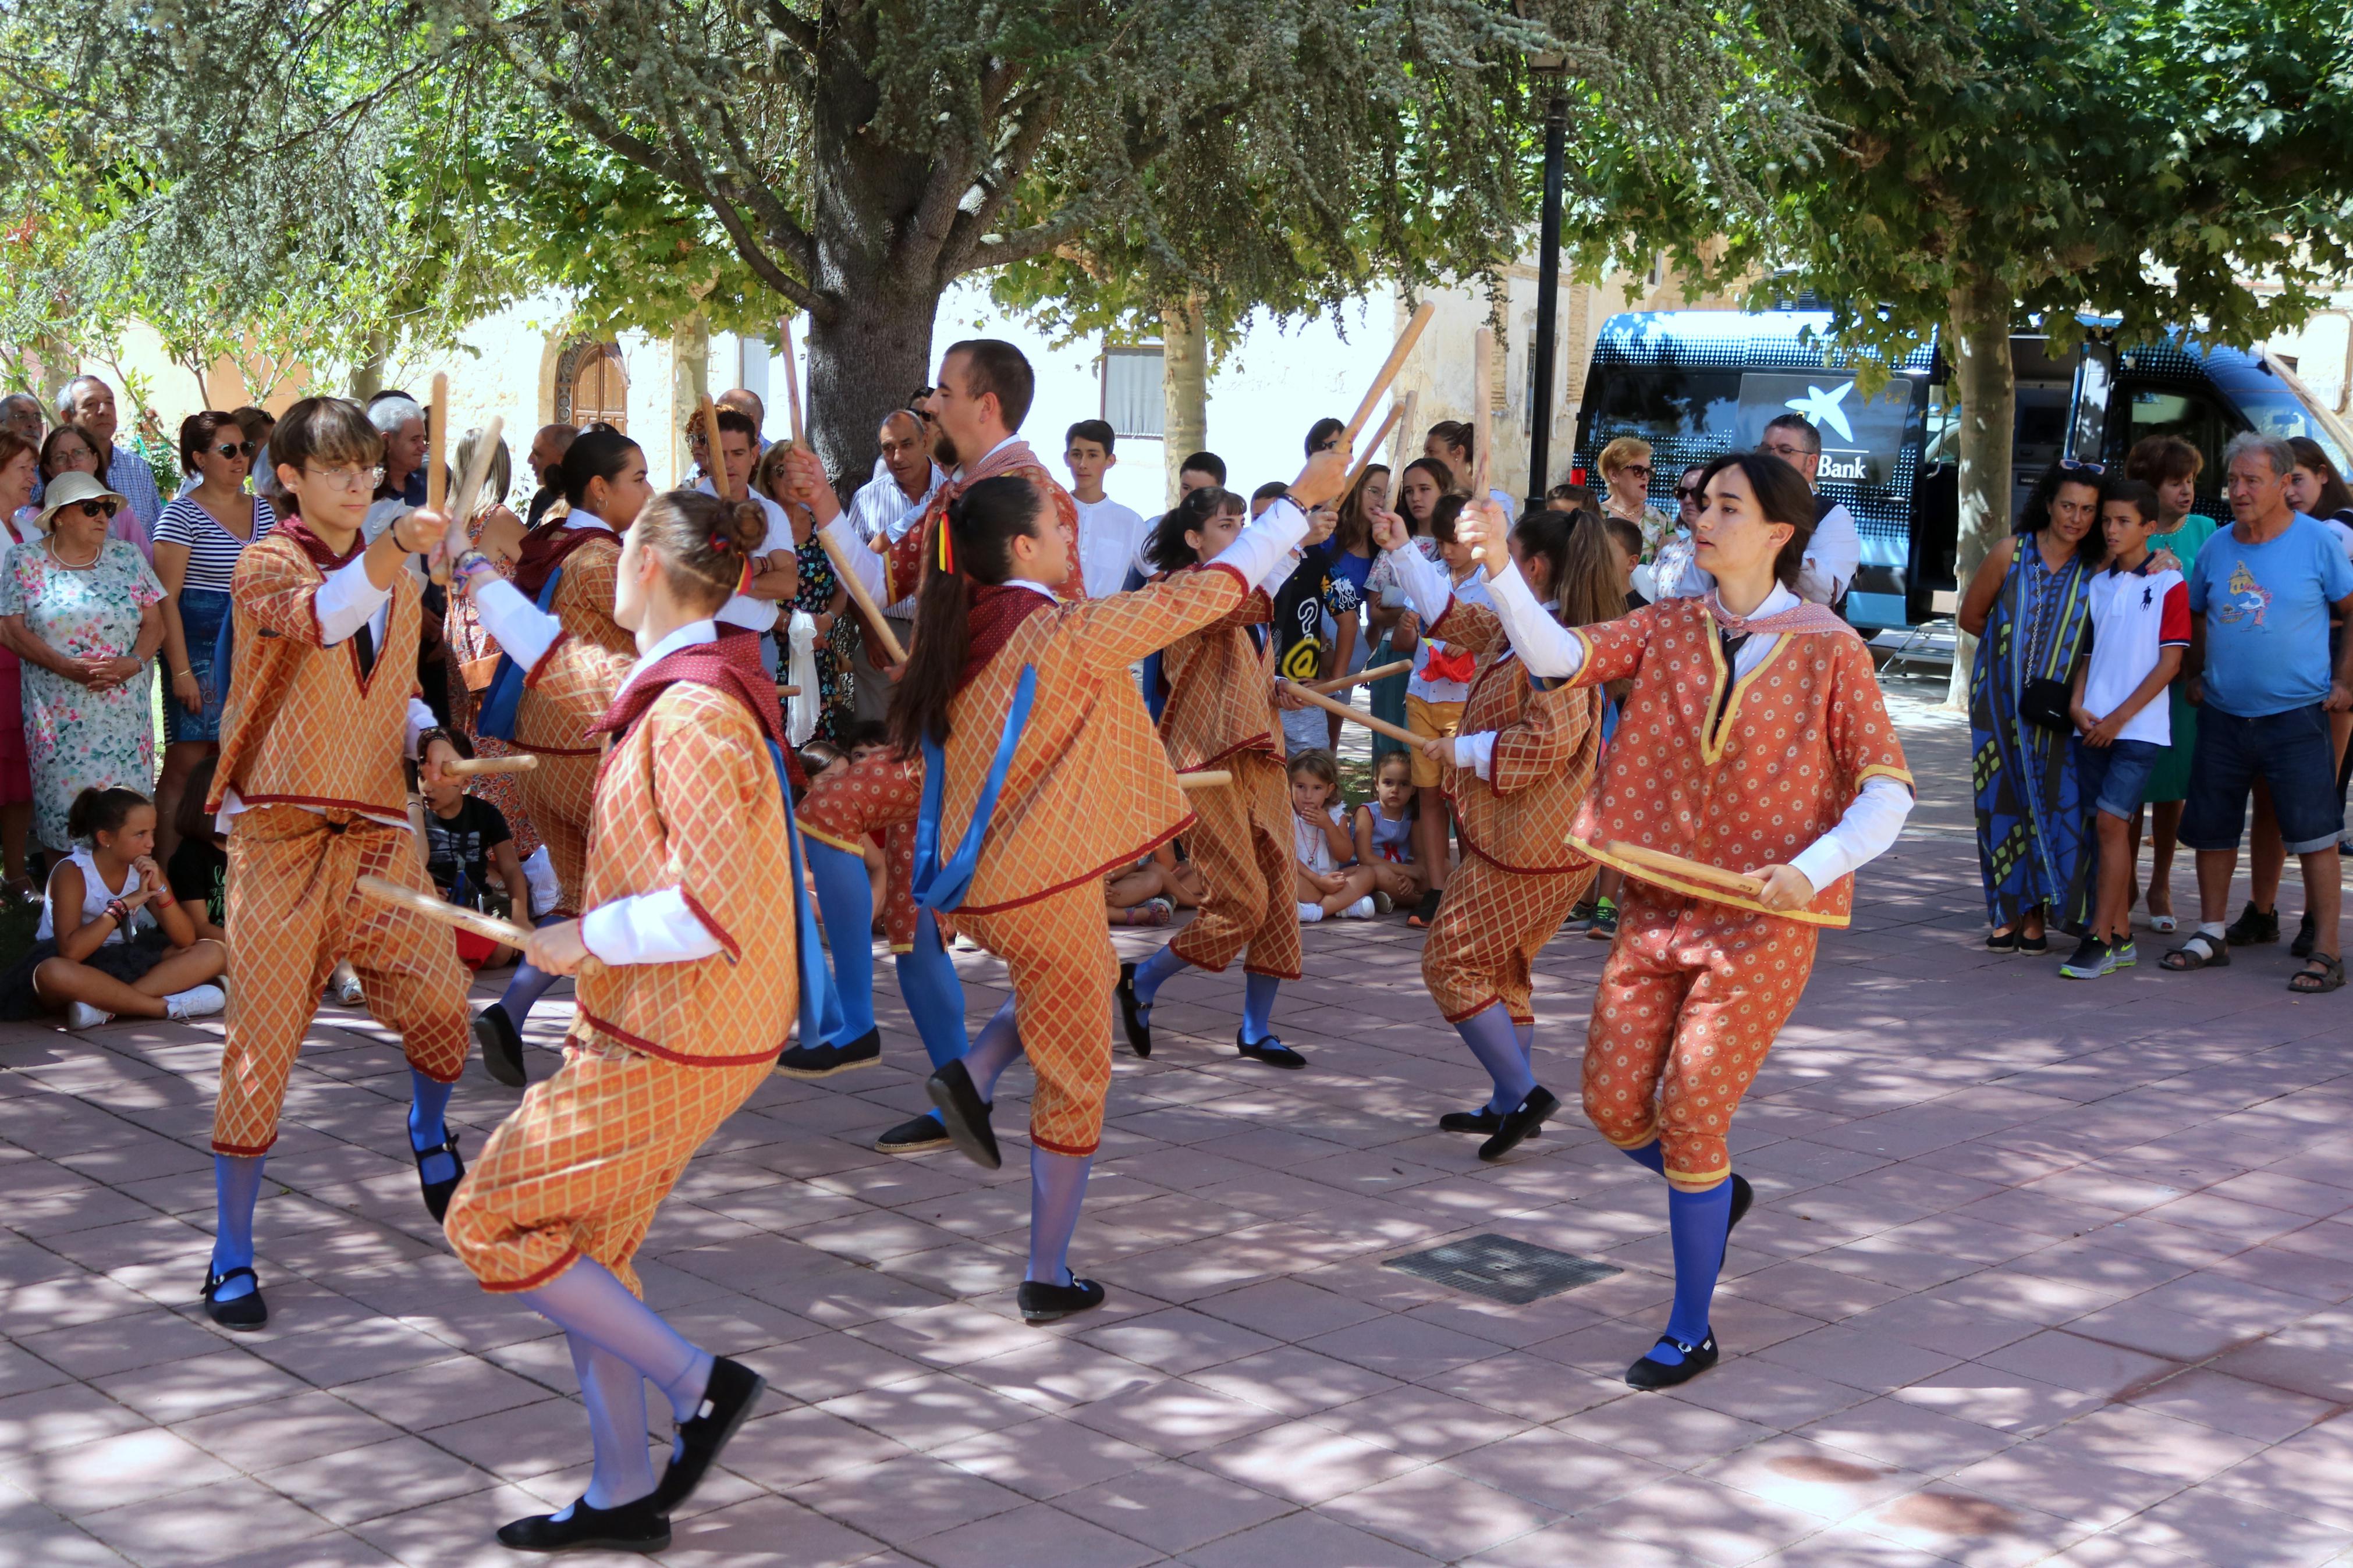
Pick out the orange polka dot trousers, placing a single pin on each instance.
(1689, 1003)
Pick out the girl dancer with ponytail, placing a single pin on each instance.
(1514, 775)
(1220, 715)
(1040, 773)
(1754, 741)
(688, 978)
(568, 570)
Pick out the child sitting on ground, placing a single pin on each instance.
(198, 868)
(1330, 883)
(1384, 834)
(468, 846)
(113, 938)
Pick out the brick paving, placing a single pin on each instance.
(2040, 1272)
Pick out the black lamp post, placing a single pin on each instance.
(1543, 349)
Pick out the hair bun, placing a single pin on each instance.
(742, 528)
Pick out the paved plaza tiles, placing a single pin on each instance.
(2040, 1272)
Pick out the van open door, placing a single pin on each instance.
(2087, 414)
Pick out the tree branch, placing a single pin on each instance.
(746, 246)
(792, 24)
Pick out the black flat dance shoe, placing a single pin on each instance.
(733, 1389)
(1481, 1120)
(1043, 1303)
(1697, 1358)
(1131, 1012)
(242, 1312)
(1271, 1051)
(633, 1527)
(824, 1062)
(501, 1046)
(964, 1115)
(1519, 1122)
(916, 1137)
(437, 1194)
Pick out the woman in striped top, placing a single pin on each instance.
(198, 540)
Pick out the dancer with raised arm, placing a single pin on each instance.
(1041, 772)
(688, 962)
(1754, 771)
(1515, 775)
(1220, 715)
(321, 709)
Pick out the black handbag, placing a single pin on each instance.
(2045, 702)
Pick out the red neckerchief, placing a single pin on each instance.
(731, 665)
(544, 548)
(996, 614)
(324, 559)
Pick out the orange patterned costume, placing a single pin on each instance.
(660, 1053)
(1518, 878)
(879, 794)
(1088, 790)
(560, 793)
(1220, 715)
(1733, 774)
(310, 751)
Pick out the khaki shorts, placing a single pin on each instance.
(1429, 718)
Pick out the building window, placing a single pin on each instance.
(1131, 392)
(591, 387)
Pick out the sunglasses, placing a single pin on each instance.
(1637, 469)
(104, 507)
(234, 450)
(1689, 492)
(2069, 465)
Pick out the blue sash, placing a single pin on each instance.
(820, 1005)
(500, 703)
(941, 888)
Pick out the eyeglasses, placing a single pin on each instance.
(1789, 452)
(234, 450)
(1689, 492)
(348, 477)
(104, 506)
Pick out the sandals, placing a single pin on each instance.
(2200, 952)
(2164, 925)
(2320, 973)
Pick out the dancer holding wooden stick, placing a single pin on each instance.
(690, 963)
(1514, 775)
(320, 712)
(1220, 713)
(568, 569)
(1754, 740)
(1041, 772)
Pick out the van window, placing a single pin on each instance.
(1663, 405)
(2280, 414)
(2194, 417)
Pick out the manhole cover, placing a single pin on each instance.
(1503, 1269)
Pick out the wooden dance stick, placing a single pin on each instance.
(1372, 447)
(505, 933)
(1389, 368)
(792, 378)
(1342, 682)
(469, 488)
(1699, 871)
(474, 767)
(436, 438)
(1397, 458)
(789, 691)
(720, 485)
(1207, 778)
(1332, 705)
(840, 556)
(1483, 373)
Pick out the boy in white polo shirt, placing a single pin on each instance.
(2141, 625)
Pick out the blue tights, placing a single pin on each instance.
(845, 898)
(1697, 1227)
(525, 987)
(934, 993)
(1057, 1185)
(237, 1188)
(1495, 1041)
(428, 1104)
(1151, 974)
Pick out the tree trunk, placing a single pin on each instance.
(689, 380)
(367, 375)
(866, 358)
(1983, 380)
(1184, 385)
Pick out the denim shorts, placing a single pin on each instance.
(2290, 751)
(2112, 776)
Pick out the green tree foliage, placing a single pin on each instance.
(852, 158)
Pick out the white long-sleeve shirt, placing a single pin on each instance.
(881, 510)
(638, 928)
(345, 602)
(1872, 820)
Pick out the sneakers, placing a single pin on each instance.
(82, 1015)
(1605, 920)
(2123, 956)
(1580, 919)
(2091, 959)
(1310, 913)
(195, 1002)
(1362, 909)
(1383, 904)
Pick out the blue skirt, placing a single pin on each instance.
(203, 612)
